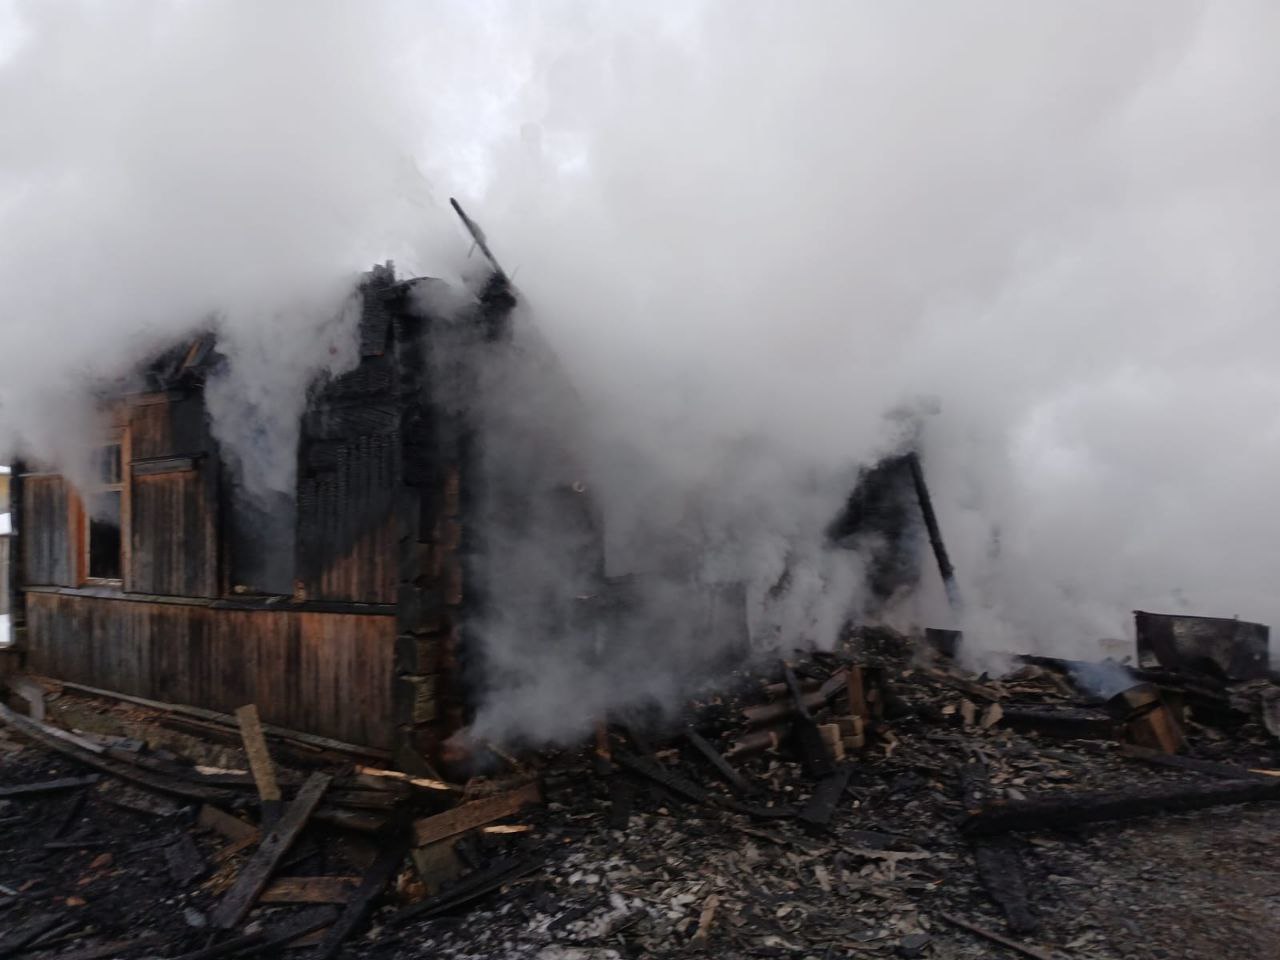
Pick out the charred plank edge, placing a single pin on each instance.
(1026, 950)
(117, 948)
(470, 887)
(253, 878)
(50, 786)
(477, 813)
(822, 805)
(152, 466)
(279, 733)
(309, 890)
(1071, 808)
(660, 775)
(722, 766)
(1225, 771)
(265, 603)
(262, 940)
(375, 880)
(255, 748)
(35, 927)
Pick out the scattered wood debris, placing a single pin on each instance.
(878, 799)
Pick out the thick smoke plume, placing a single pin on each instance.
(749, 231)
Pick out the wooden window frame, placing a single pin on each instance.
(78, 518)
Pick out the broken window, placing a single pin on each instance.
(104, 506)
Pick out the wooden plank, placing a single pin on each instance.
(213, 716)
(266, 939)
(263, 770)
(28, 724)
(722, 766)
(477, 813)
(309, 890)
(1070, 807)
(857, 694)
(669, 779)
(275, 845)
(375, 880)
(821, 807)
(49, 786)
(44, 735)
(1225, 771)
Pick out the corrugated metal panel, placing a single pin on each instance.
(324, 673)
(45, 535)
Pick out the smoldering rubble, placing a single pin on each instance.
(875, 800)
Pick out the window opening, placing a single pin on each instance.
(104, 505)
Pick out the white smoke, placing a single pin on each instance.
(749, 230)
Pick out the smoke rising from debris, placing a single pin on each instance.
(749, 231)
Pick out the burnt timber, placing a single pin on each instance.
(339, 611)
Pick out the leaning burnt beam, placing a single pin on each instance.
(1070, 809)
(722, 766)
(935, 531)
(477, 235)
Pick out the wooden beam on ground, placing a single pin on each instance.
(257, 872)
(1159, 758)
(722, 766)
(477, 813)
(309, 890)
(652, 770)
(282, 733)
(49, 786)
(90, 755)
(1070, 808)
(361, 901)
(822, 805)
(268, 938)
(470, 887)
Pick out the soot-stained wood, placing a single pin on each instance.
(325, 673)
(45, 530)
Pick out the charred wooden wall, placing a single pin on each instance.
(325, 673)
(381, 547)
(348, 479)
(172, 477)
(45, 534)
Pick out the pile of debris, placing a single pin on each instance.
(877, 800)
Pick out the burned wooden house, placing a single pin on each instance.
(339, 611)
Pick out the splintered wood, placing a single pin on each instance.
(477, 813)
(257, 872)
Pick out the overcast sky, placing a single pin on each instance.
(750, 230)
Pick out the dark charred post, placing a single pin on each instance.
(17, 568)
(1071, 809)
(817, 813)
(808, 739)
(935, 531)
